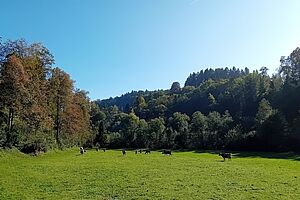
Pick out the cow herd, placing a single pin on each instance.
(147, 151)
(164, 152)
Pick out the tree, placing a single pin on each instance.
(38, 134)
(290, 68)
(294, 139)
(198, 129)
(127, 125)
(13, 91)
(180, 124)
(156, 137)
(142, 134)
(197, 79)
(30, 65)
(96, 114)
(273, 133)
(35, 99)
(218, 127)
(75, 120)
(141, 103)
(264, 71)
(290, 73)
(22, 50)
(100, 140)
(211, 99)
(264, 111)
(140, 106)
(60, 97)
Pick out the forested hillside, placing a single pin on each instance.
(219, 108)
(222, 108)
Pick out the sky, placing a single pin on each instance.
(110, 47)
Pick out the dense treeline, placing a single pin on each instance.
(216, 109)
(39, 107)
(196, 79)
(125, 101)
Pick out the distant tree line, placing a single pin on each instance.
(196, 79)
(219, 108)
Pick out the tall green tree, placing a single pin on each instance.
(60, 97)
(156, 135)
(264, 111)
(198, 129)
(141, 140)
(180, 124)
(290, 68)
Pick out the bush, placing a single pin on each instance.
(36, 142)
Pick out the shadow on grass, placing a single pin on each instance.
(249, 154)
(235, 154)
(284, 155)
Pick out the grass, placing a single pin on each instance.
(184, 175)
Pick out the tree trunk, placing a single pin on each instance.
(10, 126)
(57, 122)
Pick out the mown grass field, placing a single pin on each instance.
(184, 175)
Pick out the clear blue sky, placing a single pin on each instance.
(114, 46)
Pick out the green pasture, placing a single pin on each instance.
(184, 175)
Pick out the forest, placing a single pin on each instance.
(220, 108)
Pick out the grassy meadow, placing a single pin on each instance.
(184, 175)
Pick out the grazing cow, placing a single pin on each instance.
(140, 150)
(167, 152)
(225, 155)
(82, 150)
(147, 151)
(123, 152)
(104, 149)
(136, 151)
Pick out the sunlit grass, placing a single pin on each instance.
(184, 175)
